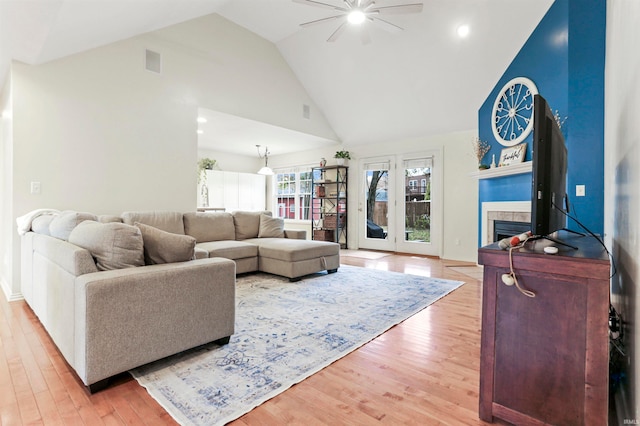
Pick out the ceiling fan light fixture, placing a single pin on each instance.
(463, 31)
(356, 17)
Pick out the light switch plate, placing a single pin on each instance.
(36, 187)
(581, 190)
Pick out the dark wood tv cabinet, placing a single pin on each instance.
(545, 360)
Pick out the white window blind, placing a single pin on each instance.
(418, 163)
(379, 165)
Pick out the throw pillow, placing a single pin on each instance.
(113, 245)
(40, 225)
(165, 247)
(271, 227)
(247, 224)
(62, 225)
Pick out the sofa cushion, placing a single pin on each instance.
(167, 221)
(113, 245)
(271, 227)
(294, 250)
(62, 225)
(247, 224)
(165, 247)
(40, 225)
(229, 249)
(209, 226)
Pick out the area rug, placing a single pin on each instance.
(285, 332)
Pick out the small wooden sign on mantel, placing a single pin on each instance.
(513, 155)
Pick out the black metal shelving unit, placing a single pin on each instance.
(329, 204)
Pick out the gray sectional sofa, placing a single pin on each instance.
(117, 292)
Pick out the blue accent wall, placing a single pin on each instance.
(564, 57)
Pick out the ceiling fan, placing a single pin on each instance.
(356, 12)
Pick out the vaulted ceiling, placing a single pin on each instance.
(422, 81)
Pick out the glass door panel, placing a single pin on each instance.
(417, 221)
(377, 211)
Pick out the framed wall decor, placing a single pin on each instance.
(513, 155)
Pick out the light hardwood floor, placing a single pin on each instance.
(424, 371)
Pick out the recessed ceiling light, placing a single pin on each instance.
(202, 120)
(199, 132)
(356, 17)
(463, 31)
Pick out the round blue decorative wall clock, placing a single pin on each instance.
(512, 115)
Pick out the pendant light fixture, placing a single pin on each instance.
(266, 170)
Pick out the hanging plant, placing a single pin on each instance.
(205, 164)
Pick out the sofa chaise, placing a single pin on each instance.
(117, 292)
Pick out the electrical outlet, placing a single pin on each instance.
(581, 190)
(36, 187)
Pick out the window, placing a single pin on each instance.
(293, 193)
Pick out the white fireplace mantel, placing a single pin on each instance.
(514, 169)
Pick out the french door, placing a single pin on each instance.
(400, 203)
(376, 219)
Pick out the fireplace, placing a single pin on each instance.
(518, 212)
(506, 228)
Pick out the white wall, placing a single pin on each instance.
(6, 168)
(460, 191)
(232, 162)
(622, 182)
(104, 135)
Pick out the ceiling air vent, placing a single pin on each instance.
(153, 61)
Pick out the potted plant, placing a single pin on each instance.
(341, 157)
(480, 149)
(205, 164)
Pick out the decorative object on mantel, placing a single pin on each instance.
(342, 157)
(512, 115)
(493, 162)
(513, 155)
(560, 121)
(480, 149)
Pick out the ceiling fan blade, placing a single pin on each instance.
(398, 9)
(393, 28)
(320, 21)
(320, 4)
(337, 32)
(367, 5)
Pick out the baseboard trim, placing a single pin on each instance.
(11, 297)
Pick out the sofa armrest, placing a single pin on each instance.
(129, 317)
(201, 253)
(296, 234)
(73, 259)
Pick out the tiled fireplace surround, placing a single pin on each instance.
(512, 211)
